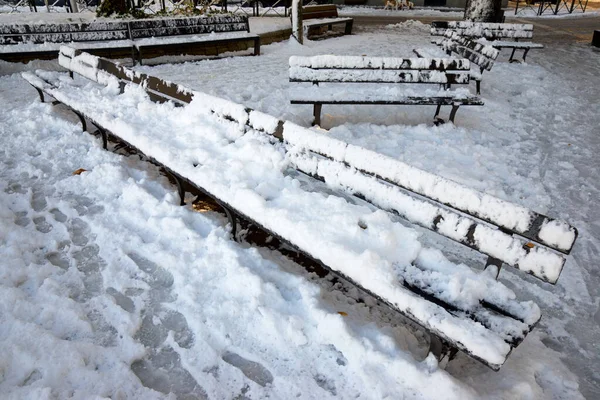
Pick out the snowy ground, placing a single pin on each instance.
(110, 289)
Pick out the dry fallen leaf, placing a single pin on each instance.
(203, 206)
(530, 245)
(79, 171)
(342, 313)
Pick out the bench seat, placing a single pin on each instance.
(325, 21)
(189, 44)
(505, 44)
(325, 95)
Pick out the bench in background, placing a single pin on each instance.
(376, 70)
(499, 35)
(165, 37)
(486, 325)
(323, 16)
(136, 39)
(482, 56)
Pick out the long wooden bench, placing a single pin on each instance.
(499, 35)
(316, 17)
(336, 70)
(165, 37)
(137, 39)
(482, 56)
(465, 309)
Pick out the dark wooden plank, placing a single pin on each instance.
(421, 76)
(188, 30)
(412, 100)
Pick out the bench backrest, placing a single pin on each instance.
(63, 33)
(188, 26)
(479, 54)
(320, 11)
(99, 31)
(357, 69)
(487, 30)
(371, 172)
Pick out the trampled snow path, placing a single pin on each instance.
(161, 276)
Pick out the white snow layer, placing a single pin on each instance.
(193, 258)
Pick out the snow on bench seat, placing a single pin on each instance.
(244, 169)
(193, 38)
(502, 44)
(55, 47)
(366, 94)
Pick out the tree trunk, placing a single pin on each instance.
(109, 7)
(484, 11)
(297, 30)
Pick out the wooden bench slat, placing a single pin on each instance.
(372, 63)
(300, 74)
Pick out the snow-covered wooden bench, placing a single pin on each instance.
(137, 39)
(26, 42)
(466, 309)
(499, 35)
(482, 56)
(325, 15)
(165, 37)
(352, 70)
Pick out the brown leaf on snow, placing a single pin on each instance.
(530, 245)
(79, 171)
(343, 314)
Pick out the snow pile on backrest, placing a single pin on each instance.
(487, 207)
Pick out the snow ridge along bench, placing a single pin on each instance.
(136, 39)
(325, 15)
(329, 69)
(466, 309)
(481, 56)
(498, 34)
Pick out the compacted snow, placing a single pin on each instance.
(110, 289)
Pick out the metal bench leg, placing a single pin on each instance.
(180, 191)
(257, 47)
(441, 350)
(348, 30)
(453, 113)
(493, 267)
(525, 54)
(478, 86)
(436, 118)
(40, 93)
(82, 119)
(231, 218)
(317, 114)
(104, 137)
(512, 54)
